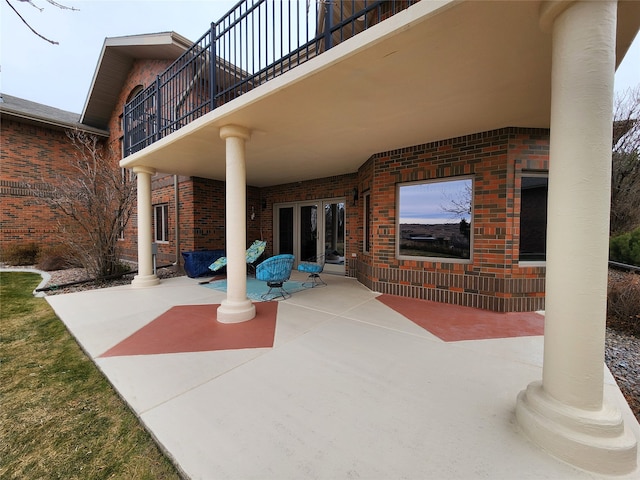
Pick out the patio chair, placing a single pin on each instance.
(314, 267)
(275, 271)
(251, 256)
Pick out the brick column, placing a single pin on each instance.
(236, 307)
(567, 413)
(145, 276)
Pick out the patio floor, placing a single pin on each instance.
(335, 382)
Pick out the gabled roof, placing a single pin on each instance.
(37, 113)
(114, 63)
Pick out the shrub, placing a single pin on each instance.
(625, 248)
(623, 300)
(57, 257)
(20, 253)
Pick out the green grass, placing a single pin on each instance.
(59, 417)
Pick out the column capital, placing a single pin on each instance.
(143, 169)
(235, 131)
(550, 10)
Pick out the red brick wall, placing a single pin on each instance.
(201, 215)
(31, 156)
(143, 72)
(493, 280)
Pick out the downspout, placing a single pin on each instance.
(176, 199)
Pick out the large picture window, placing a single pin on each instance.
(435, 219)
(533, 218)
(161, 221)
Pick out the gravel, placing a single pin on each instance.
(61, 277)
(622, 343)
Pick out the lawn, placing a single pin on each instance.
(60, 418)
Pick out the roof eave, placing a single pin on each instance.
(53, 123)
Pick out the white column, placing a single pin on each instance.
(236, 307)
(567, 413)
(145, 276)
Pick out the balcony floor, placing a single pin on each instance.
(331, 383)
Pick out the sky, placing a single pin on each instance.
(431, 203)
(60, 75)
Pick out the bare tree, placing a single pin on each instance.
(95, 200)
(625, 177)
(458, 204)
(31, 2)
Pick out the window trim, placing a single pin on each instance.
(538, 174)
(465, 261)
(164, 209)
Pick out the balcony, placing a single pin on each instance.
(255, 42)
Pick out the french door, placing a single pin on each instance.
(311, 229)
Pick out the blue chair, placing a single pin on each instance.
(314, 268)
(275, 271)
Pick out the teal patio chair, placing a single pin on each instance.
(251, 256)
(275, 271)
(314, 267)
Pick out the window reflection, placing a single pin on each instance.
(435, 219)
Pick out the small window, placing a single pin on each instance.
(533, 218)
(161, 222)
(121, 228)
(434, 220)
(367, 223)
(134, 92)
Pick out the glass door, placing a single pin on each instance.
(285, 229)
(308, 233)
(311, 229)
(334, 236)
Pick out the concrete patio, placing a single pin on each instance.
(350, 387)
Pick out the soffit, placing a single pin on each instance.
(435, 71)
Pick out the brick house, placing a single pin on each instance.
(34, 150)
(363, 135)
(488, 279)
(408, 142)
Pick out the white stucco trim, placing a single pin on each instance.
(236, 307)
(567, 413)
(145, 276)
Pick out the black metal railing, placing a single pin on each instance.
(256, 41)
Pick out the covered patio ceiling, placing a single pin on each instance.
(435, 71)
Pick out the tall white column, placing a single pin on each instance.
(236, 307)
(145, 276)
(567, 413)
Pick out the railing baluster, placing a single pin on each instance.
(213, 71)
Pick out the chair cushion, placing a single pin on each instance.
(218, 264)
(309, 267)
(255, 250)
(276, 268)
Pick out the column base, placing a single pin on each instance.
(592, 440)
(235, 312)
(141, 281)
